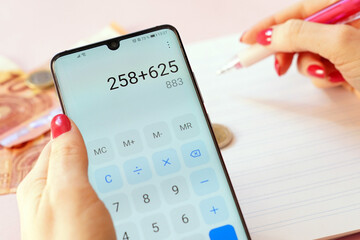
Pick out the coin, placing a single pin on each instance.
(40, 79)
(222, 134)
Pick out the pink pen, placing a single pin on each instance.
(337, 13)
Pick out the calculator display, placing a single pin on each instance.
(152, 156)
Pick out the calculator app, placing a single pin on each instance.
(152, 160)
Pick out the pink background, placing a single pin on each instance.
(33, 31)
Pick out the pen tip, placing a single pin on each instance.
(229, 67)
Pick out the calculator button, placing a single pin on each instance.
(100, 151)
(184, 219)
(225, 232)
(196, 237)
(108, 179)
(127, 231)
(157, 134)
(137, 170)
(194, 154)
(204, 181)
(175, 190)
(129, 143)
(146, 198)
(155, 227)
(186, 127)
(119, 206)
(214, 210)
(166, 162)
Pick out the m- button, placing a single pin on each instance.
(100, 151)
(157, 134)
(186, 126)
(129, 143)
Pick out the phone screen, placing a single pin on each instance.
(152, 157)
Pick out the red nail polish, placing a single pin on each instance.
(264, 37)
(316, 71)
(336, 77)
(60, 124)
(277, 67)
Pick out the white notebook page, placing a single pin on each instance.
(295, 158)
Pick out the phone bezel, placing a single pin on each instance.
(200, 99)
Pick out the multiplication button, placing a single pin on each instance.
(108, 179)
(204, 181)
(194, 154)
(100, 151)
(157, 134)
(166, 162)
(214, 210)
(118, 205)
(137, 170)
(186, 126)
(129, 143)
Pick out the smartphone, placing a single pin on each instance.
(153, 158)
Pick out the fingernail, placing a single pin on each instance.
(316, 71)
(277, 67)
(60, 124)
(242, 37)
(336, 77)
(264, 37)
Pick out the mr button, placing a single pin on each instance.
(186, 126)
(100, 151)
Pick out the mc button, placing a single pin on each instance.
(100, 151)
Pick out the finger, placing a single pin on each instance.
(312, 66)
(40, 169)
(299, 10)
(283, 62)
(301, 36)
(68, 162)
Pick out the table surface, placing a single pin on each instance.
(34, 31)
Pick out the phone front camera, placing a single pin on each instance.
(113, 45)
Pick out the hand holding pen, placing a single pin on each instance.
(328, 54)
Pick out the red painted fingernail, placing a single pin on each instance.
(264, 37)
(316, 71)
(336, 77)
(60, 124)
(242, 37)
(277, 67)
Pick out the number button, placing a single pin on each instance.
(157, 134)
(194, 154)
(137, 170)
(204, 181)
(175, 190)
(155, 227)
(108, 179)
(100, 151)
(129, 143)
(186, 127)
(118, 206)
(214, 210)
(146, 198)
(166, 162)
(184, 219)
(127, 231)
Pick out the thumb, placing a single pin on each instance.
(333, 42)
(68, 163)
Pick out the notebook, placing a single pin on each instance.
(295, 158)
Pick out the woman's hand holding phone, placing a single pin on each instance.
(56, 200)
